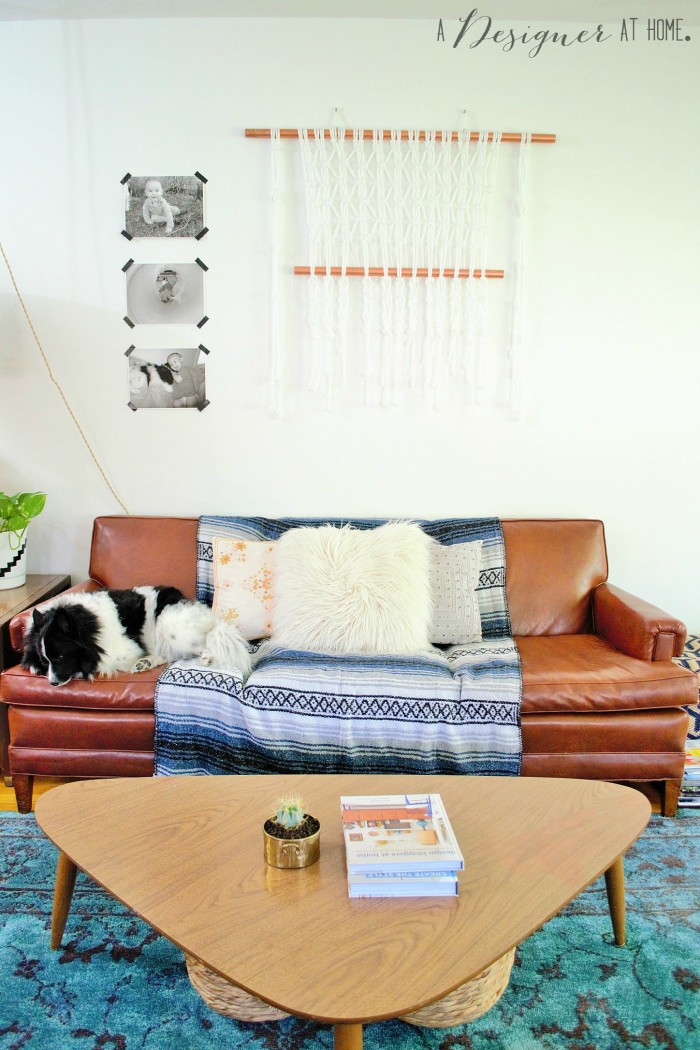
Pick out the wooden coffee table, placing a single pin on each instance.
(186, 854)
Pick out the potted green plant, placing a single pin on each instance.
(292, 837)
(15, 514)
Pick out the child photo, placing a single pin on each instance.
(164, 206)
(167, 379)
(162, 293)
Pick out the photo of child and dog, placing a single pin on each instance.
(167, 379)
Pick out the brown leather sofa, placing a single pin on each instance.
(602, 698)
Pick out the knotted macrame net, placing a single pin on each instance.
(402, 205)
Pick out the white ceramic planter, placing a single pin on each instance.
(13, 561)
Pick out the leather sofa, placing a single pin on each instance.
(602, 698)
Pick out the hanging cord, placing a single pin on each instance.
(56, 383)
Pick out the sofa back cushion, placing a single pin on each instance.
(133, 551)
(551, 568)
(552, 565)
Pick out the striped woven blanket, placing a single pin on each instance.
(455, 710)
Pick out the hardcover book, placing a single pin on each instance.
(398, 833)
(403, 884)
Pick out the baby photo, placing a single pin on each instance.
(164, 206)
(158, 293)
(167, 379)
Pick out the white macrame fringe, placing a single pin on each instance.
(404, 205)
(515, 392)
(276, 370)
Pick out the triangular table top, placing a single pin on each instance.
(186, 854)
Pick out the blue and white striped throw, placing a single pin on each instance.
(449, 711)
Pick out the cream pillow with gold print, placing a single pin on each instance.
(243, 584)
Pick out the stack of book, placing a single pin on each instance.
(690, 788)
(399, 846)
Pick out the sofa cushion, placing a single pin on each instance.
(126, 690)
(456, 711)
(131, 551)
(552, 567)
(581, 672)
(563, 673)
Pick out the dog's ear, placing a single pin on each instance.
(37, 618)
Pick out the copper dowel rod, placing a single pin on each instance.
(293, 133)
(378, 271)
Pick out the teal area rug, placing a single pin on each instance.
(117, 985)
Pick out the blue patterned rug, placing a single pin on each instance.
(691, 660)
(117, 985)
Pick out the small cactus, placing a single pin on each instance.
(290, 811)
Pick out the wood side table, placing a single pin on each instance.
(38, 588)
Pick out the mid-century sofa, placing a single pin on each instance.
(601, 696)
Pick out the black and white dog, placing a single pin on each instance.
(102, 632)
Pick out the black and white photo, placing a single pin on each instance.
(164, 206)
(165, 293)
(167, 378)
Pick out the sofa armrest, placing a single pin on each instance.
(634, 627)
(19, 624)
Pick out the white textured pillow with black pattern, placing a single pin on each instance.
(454, 579)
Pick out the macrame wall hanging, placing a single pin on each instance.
(399, 235)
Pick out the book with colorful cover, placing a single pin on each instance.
(692, 763)
(398, 833)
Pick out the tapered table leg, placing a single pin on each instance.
(615, 886)
(63, 894)
(347, 1037)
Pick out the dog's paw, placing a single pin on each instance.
(144, 664)
(206, 658)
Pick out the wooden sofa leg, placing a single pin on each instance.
(672, 789)
(24, 789)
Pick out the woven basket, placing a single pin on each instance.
(226, 998)
(466, 1003)
(470, 1000)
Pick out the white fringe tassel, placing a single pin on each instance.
(401, 204)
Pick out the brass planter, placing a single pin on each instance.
(292, 853)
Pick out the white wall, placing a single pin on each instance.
(610, 423)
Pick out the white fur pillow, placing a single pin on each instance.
(345, 590)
